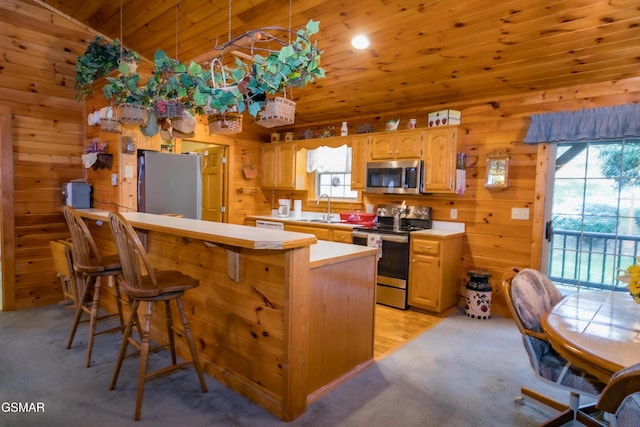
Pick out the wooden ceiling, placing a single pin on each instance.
(424, 55)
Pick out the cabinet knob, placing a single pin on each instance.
(425, 247)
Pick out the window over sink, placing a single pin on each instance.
(329, 169)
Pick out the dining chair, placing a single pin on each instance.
(529, 294)
(141, 282)
(621, 397)
(90, 266)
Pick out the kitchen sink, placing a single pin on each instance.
(330, 221)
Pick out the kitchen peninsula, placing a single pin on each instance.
(279, 317)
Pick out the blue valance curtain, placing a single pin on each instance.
(594, 123)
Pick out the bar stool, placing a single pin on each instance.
(90, 266)
(143, 283)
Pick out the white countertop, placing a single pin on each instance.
(440, 229)
(325, 252)
(215, 232)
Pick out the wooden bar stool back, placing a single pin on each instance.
(89, 266)
(143, 283)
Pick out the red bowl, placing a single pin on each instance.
(357, 217)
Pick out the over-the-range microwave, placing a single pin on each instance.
(395, 177)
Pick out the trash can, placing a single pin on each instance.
(478, 304)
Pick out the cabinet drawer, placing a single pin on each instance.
(341, 236)
(428, 247)
(320, 233)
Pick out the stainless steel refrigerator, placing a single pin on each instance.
(169, 183)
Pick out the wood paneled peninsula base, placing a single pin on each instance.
(279, 317)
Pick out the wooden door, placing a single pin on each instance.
(440, 160)
(268, 166)
(424, 289)
(408, 146)
(381, 148)
(358, 162)
(286, 164)
(213, 183)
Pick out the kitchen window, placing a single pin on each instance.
(329, 170)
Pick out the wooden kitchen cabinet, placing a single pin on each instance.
(440, 149)
(319, 232)
(342, 236)
(278, 162)
(359, 162)
(434, 271)
(398, 145)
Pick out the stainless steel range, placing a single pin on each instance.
(391, 233)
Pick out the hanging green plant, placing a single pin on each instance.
(100, 58)
(294, 65)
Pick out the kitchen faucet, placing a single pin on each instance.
(328, 205)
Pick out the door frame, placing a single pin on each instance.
(7, 213)
(542, 205)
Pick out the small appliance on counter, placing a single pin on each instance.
(284, 207)
(77, 194)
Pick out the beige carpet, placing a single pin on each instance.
(460, 372)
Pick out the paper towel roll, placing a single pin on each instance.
(297, 208)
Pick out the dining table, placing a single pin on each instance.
(598, 331)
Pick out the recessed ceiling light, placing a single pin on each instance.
(360, 42)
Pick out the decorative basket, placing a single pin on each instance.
(168, 109)
(278, 112)
(110, 124)
(225, 123)
(132, 114)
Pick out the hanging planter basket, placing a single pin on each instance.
(225, 123)
(168, 109)
(279, 111)
(132, 114)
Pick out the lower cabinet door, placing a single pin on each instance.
(424, 288)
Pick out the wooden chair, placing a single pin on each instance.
(529, 294)
(143, 283)
(63, 262)
(621, 397)
(90, 266)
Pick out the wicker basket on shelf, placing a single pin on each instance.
(225, 123)
(132, 114)
(109, 124)
(279, 111)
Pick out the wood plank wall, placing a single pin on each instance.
(38, 73)
(493, 240)
(37, 66)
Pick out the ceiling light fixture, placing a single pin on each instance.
(360, 42)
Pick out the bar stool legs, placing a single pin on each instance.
(144, 346)
(92, 285)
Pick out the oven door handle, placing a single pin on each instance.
(385, 237)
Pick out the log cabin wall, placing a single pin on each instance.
(48, 128)
(493, 240)
(39, 50)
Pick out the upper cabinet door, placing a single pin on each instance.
(392, 146)
(358, 162)
(286, 177)
(408, 146)
(440, 147)
(381, 147)
(278, 163)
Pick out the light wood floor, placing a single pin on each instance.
(394, 328)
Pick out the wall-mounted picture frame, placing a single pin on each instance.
(497, 172)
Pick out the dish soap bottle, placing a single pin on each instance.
(344, 130)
